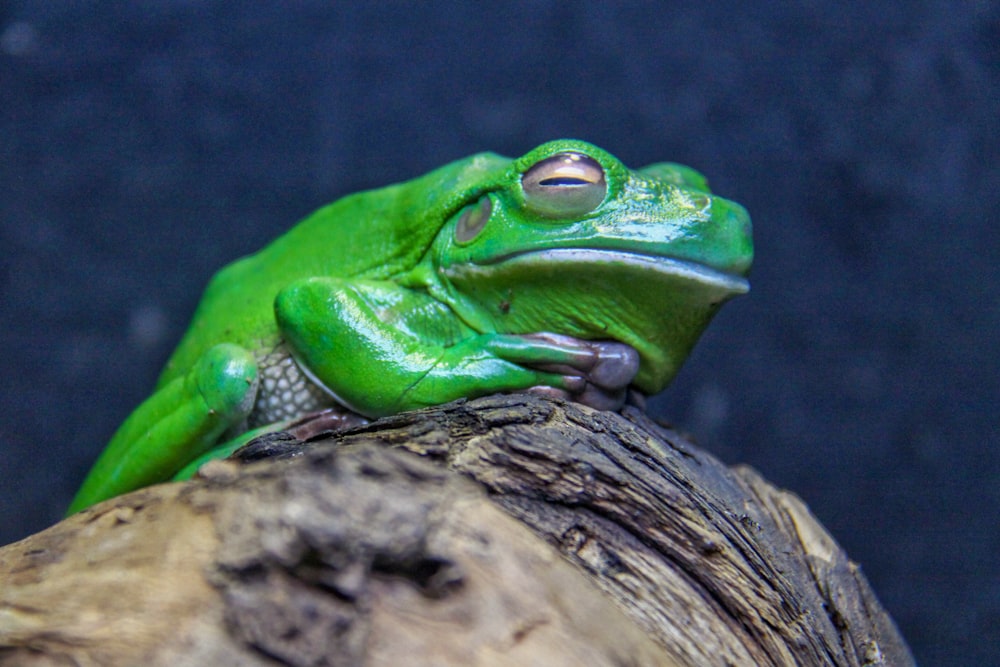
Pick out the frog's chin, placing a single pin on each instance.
(656, 305)
(680, 269)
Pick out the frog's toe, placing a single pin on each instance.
(600, 398)
(551, 392)
(586, 394)
(636, 399)
(616, 367)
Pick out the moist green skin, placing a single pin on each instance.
(427, 291)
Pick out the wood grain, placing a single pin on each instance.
(508, 530)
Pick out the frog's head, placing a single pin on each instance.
(567, 239)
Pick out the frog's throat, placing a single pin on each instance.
(672, 266)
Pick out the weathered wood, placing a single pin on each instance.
(586, 538)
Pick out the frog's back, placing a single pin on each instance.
(378, 234)
(238, 303)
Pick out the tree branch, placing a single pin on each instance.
(507, 530)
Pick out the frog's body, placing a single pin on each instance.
(485, 275)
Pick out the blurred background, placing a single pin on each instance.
(143, 145)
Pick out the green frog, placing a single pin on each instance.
(561, 271)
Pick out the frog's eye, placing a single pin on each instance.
(564, 186)
(472, 220)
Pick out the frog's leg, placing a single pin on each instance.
(301, 429)
(382, 349)
(183, 419)
(226, 449)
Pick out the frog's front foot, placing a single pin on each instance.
(606, 368)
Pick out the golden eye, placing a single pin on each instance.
(472, 220)
(564, 186)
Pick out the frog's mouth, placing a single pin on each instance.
(630, 262)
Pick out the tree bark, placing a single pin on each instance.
(508, 530)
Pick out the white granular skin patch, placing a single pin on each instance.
(285, 392)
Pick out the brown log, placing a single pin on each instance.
(508, 530)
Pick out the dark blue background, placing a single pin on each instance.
(145, 144)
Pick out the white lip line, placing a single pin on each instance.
(659, 263)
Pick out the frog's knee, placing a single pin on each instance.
(226, 377)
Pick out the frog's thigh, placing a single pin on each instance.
(176, 424)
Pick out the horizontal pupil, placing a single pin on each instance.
(563, 180)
